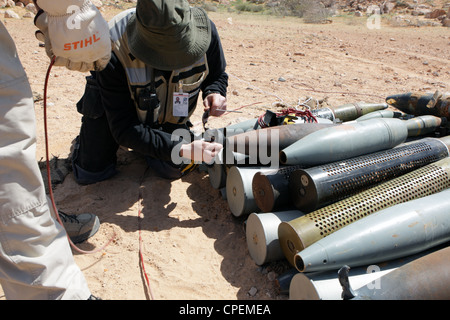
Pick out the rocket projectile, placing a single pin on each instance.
(416, 103)
(422, 125)
(324, 113)
(262, 235)
(239, 189)
(243, 125)
(280, 137)
(392, 233)
(325, 285)
(227, 157)
(381, 114)
(345, 112)
(352, 111)
(217, 175)
(426, 278)
(217, 172)
(345, 141)
(417, 126)
(316, 187)
(271, 190)
(300, 233)
(251, 142)
(218, 135)
(354, 139)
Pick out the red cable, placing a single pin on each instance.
(53, 200)
(52, 62)
(141, 256)
(300, 113)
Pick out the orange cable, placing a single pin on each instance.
(48, 168)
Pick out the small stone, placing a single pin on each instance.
(11, 14)
(272, 276)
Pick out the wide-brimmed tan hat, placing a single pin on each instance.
(168, 35)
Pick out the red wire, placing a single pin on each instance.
(49, 180)
(141, 256)
(301, 113)
(53, 200)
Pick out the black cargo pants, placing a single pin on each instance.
(95, 152)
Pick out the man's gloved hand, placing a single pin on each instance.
(74, 32)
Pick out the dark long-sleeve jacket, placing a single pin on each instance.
(120, 108)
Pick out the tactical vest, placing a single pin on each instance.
(139, 77)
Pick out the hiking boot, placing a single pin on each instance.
(79, 227)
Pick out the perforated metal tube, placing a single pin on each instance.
(392, 233)
(300, 233)
(316, 187)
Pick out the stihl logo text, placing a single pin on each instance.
(81, 44)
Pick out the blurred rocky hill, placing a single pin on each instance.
(407, 12)
(427, 12)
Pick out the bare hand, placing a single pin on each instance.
(216, 104)
(200, 151)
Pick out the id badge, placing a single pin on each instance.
(180, 104)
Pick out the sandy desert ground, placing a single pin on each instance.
(193, 247)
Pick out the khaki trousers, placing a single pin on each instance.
(36, 260)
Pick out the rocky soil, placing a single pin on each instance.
(192, 247)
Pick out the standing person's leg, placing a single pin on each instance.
(36, 261)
